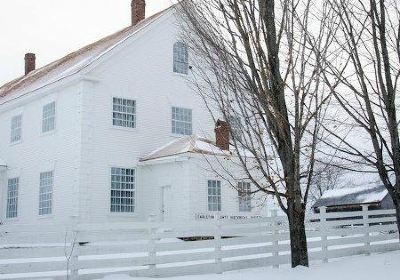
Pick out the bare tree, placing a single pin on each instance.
(363, 74)
(327, 176)
(254, 67)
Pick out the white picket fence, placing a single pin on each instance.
(91, 251)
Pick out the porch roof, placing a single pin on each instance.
(188, 144)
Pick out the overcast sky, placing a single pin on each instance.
(54, 28)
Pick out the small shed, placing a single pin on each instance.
(352, 199)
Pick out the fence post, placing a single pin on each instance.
(217, 245)
(367, 242)
(152, 246)
(275, 234)
(323, 231)
(74, 261)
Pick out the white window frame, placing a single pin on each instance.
(16, 129)
(123, 114)
(46, 187)
(244, 194)
(180, 58)
(12, 198)
(182, 121)
(49, 117)
(123, 190)
(214, 195)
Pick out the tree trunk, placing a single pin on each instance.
(396, 201)
(298, 238)
(398, 219)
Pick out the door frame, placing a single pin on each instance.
(162, 202)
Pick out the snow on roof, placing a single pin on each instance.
(351, 196)
(74, 62)
(188, 144)
(2, 163)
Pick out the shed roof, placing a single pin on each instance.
(188, 144)
(74, 62)
(352, 196)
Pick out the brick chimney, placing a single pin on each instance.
(138, 11)
(30, 63)
(222, 135)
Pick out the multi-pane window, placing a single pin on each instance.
(124, 112)
(244, 192)
(181, 58)
(46, 193)
(123, 187)
(236, 128)
(16, 129)
(49, 117)
(214, 195)
(181, 121)
(12, 198)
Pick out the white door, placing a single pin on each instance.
(164, 191)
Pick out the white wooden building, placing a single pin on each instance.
(81, 136)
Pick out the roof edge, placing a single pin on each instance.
(16, 83)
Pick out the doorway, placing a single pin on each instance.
(164, 191)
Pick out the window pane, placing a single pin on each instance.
(49, 117)
(16, 129)
(181, 58)
(244, 193)
(46, 193)
(122, 190)
(12, 198)
(214, 195)
(181, 121)
(124, 112)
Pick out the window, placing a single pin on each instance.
(181, 58)
(123, 186)
(49, 117)
(124, 112)
(12, 198)
(236, 128)
(46, 193)
(16, 129)
(181, 121)
(244, 191)
(214, 195)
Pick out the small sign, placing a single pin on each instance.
(201, 216)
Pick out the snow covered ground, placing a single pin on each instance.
(373, 267)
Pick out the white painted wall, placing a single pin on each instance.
(188, 175)
(85, 145)
(56, 151)
(142, 70)
(173, 177)
(204, 168)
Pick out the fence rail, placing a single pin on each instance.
(90, 251)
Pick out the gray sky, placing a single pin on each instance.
(54, 28)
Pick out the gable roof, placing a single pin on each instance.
(189, 144)
(74, 62)
(352, 196)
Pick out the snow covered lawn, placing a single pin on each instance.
(380, 266)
